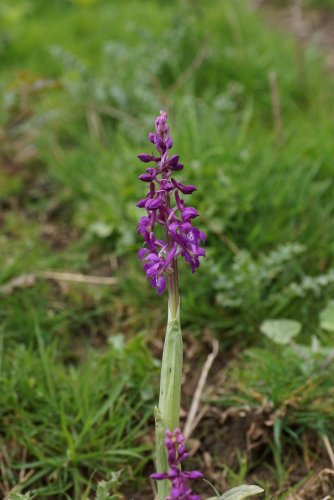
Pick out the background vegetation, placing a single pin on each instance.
(249, 107)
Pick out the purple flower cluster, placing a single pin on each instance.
(176, 453)
(181, 237)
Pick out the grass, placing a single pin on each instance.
(82, 82)
(296, 394)
(67, 426)
(288, 391)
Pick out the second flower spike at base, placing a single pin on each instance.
(176, 455)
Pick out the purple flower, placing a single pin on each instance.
(177, 454)
(155, 266)
(145, 158)
(166, 208)
(184, 189)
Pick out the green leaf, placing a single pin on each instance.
(327, 317)
(104, 487)
(281, 331)
(167, 415)
(239, 492)
(101, 229)
(19, 496)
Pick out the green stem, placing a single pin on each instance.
(168, 412)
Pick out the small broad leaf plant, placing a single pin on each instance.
(178, 237)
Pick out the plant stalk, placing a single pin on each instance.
(168, 413)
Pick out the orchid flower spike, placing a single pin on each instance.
(165, 206)
(177, 454)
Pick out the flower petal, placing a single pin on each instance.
(158, 476)
(145, 158)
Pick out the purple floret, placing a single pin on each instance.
(181, 237)
(177, 454)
